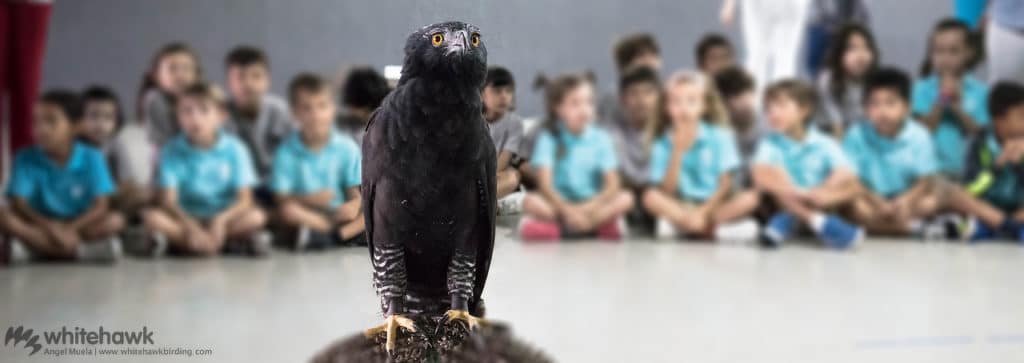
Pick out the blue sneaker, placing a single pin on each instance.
(977, 231)
(779, 229)
(839, 234)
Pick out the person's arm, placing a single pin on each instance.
(670, 180)
(99, 207)
(318, 200)
(611, 186)
(351, 208)
(546, 186)
(967, 122)
(243, 201)
(933, 117)
(772, 179)
(504, 158)
(719, 196)
(728, 12)
(169, 203)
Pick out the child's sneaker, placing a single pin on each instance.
(779, 229)
(839, 234)
(308, 239)
(974, 230)
(614, 229)
(258, 244)
(135, 240)
(743, 231)
(665, 230)
(155, 246)
(511, 204)
(536, 230)
(105, 251)
(16, 252)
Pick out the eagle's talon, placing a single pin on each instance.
(463, 315)
(390, 328)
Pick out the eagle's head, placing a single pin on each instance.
(450, 51)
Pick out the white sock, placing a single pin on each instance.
(817, 222)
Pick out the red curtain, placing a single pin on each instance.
(22, 44)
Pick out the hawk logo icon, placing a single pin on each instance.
(20, 334)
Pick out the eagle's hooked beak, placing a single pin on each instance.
(459, 43)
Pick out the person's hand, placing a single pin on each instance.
(949, 90)
(728, 13)
(682, 140)
(66, 237)
(218, 229)
(701, 219)
(196, 236)
(575, 219)
(1012, 153)
(899, 209)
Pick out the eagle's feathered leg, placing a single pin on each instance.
(389, 278)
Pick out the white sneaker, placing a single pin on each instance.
(102, 251)
(665, 230)
(159, 245)
(17, 253)
(260, 245)
(511, 204)
(743, 231)
(302, 239)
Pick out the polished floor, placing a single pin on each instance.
(638, 301)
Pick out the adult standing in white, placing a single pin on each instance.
(1005, 37)
(772, 33)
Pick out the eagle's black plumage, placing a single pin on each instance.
(429, 178)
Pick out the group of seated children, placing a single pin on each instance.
(884, 155)
(225, 167)
(705, 154)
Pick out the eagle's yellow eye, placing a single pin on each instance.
(475, 39)
(436, 39)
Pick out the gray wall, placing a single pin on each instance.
(111, 41)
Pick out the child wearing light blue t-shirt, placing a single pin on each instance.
(59, 192)
(949, 101)
(580, 191)
(803, 171)
(896, 161)
(692, 166)
(317, 171)
(206, 176)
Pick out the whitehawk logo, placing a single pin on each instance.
(19, 335)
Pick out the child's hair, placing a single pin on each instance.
(969, 40)
(890, 78)
(834, 60)
(555, 91)
(206, 91)
(96, 93)
(636, 75)
(68, 101)
(714, 109)
(149, 78)
(245, 55)
(498, 76)
(706, 43)
(631, 46)
(1004, 96)
(799, 91)
(364, 87)
(732, 81)
(307, 82)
